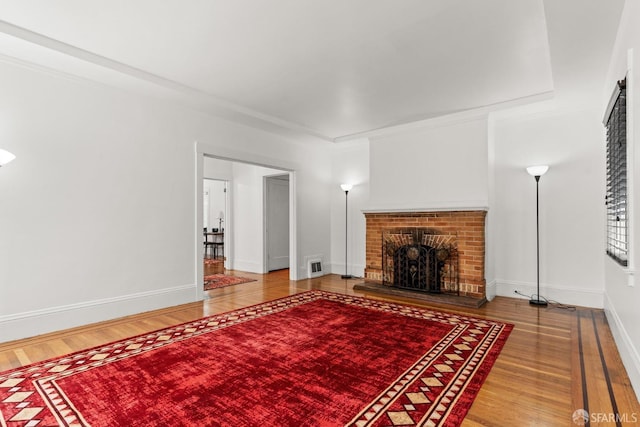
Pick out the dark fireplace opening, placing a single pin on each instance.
(420, 259)
(417, 267)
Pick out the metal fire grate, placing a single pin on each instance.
(420, 259)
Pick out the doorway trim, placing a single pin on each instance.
(216, 152)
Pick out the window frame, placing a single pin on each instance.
(616, 198)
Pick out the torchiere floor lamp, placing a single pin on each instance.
(346, 188)
(537, 172)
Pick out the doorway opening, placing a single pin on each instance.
(214, 215)
(244, 221)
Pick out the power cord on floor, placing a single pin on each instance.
(553, 303)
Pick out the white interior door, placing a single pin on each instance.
(277, 222)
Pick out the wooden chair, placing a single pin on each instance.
(218, 243)
(209, 243)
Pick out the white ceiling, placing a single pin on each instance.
(330, 69)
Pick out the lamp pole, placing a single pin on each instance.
(346, 188)
(537, 172)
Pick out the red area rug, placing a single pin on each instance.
(215, 281)
(213, 261)
(311, 359)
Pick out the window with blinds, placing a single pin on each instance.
(616, 197)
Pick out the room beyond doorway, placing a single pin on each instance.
(244, 227)
(214, 218)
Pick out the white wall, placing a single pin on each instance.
(218, 169)
(433, 168)
(571, 206)
(217, 203)
(473, 164)
(248, 216)
(98, 211)
(622, 290)
(443, 166)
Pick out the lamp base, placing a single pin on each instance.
(538, 302)
(346, 276)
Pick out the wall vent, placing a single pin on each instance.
(314, 267)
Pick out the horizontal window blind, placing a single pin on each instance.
(616, 197)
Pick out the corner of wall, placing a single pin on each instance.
(628, 352)
(491, 289)
(355, 270)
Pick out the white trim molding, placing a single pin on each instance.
(84, 64)
(453, 206)
(248, 266)
(491, 290)
(628, 352)
(449, 119)
(355, 270)
(560, 294)
(631, 162)
(36, 322)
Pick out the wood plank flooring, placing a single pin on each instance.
(555, 362)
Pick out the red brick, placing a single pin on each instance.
(469, 226)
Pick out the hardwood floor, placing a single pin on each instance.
(555, 362)
(214, 266)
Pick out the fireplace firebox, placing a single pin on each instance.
(420, 259)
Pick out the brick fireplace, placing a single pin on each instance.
(467, 226)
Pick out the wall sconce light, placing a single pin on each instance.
(5, 157)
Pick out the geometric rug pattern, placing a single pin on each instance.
(439, 388)
(215, 281)
(323, 361)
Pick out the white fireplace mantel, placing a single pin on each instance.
(434, 207)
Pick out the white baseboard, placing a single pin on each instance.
(628, 352)
(37, 322)
(491, 290)
(248, 266)
(356, 270)
(563, 295)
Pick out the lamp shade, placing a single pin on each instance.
(5, 157)
(346, 187)
(537, 170)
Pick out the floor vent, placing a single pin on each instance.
(314, 268)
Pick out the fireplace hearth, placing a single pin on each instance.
(420, 259)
